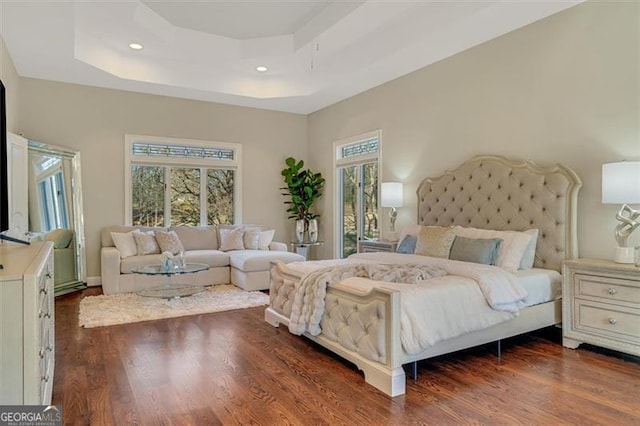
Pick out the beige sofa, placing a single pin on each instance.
(248, 269)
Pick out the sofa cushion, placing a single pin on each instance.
(260, 260)
(197, 237)
(128, 263)
(213, 258)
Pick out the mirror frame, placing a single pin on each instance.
(77, 208)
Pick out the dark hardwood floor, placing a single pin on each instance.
(233, 368)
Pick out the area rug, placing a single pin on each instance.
(99, 311)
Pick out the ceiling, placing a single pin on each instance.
(317, 52)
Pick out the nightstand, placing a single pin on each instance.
(368, 246)
(601, 305)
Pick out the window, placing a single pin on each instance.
(356, 166)
(182, 182)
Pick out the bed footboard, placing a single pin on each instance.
(363, 328)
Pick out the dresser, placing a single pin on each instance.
(601, 305)
(26, 324)
(367, 246)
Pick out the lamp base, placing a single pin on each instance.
(624, 255)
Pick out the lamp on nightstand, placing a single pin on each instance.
(621, 185)
(391, 196)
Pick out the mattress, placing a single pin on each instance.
(542, 285)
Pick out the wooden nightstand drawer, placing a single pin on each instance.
(610, 320)
(601, 287)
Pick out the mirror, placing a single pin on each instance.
(55, 211)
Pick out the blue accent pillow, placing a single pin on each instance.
(408, 244)
(483, 250)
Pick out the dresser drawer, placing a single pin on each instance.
(608, 320)
(607, 288)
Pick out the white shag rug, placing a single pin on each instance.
(99, 311)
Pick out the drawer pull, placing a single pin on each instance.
(41, 353)
(44, 378)
(44, 291)
(48, 275)
(613, 321)
(612, 291)
(44, 315)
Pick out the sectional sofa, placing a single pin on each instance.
(245, 268)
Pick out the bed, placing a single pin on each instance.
(364, 320)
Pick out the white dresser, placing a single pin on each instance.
(601, 305)
(26, 324)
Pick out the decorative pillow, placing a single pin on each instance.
(251, 238)
(265, 239)
(514, 244)
(408, 244)
(231, 239)
(529, 256)
(410, 230)
(484, 250)
(125, 243)
(146, 242)
(435, 241)
(169, 241)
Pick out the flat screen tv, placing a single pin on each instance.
(4, 177)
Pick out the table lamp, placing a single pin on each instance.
(391, 196)
(621, 185)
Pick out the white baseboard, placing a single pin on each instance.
(94, 281)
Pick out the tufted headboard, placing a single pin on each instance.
(492, 192)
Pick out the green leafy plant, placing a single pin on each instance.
(303, 187)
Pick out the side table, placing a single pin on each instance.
(303, 247)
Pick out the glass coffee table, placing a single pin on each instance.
(171, 291)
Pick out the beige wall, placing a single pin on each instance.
(11, 83)
(95, 120)
(562, 90)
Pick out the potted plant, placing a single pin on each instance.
(303, 187)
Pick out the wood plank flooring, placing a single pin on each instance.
(233, 368)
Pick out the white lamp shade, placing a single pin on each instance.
(391, 194)
(621, 182)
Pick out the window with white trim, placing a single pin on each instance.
(181, 182)
(356, 166)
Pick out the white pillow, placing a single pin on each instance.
(231, 239)
(146, 242)
(529, 256)
(512, 250)
(265, 239)
(125, 243)
(251, 238)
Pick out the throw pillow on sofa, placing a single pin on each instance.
(125, 243)
(265, 239)
(146, 242)
(251, 238)
(231, 239)
(169, 241)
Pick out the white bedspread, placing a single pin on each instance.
(471, 297)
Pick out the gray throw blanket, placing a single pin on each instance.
(309, 298)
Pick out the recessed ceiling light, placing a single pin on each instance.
(261, 68)
(135, 46)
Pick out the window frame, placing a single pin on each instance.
(203, 164)
(340, 162)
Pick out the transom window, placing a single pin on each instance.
(181, 182)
